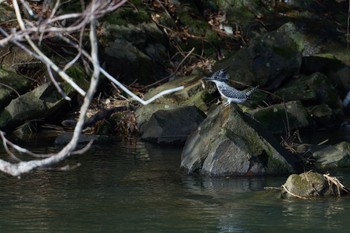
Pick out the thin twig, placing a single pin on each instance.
(292, 194)
(121, 86)
(171, 75)
(11, 88)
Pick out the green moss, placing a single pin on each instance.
(273, 119)
(285, 52)
(212, 37)
(277, 166)
(127, 16)
(78, 75)
(344, 162)
(3, 73)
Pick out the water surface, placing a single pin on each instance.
(137, 187)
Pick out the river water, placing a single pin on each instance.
(137, 187)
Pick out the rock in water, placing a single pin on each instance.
(312, 184)
(230, 143)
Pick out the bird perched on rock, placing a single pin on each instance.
(220, 78)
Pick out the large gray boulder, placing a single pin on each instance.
(268, 60)
(39, 103)
(228, 142)
(141, 48)
(172, 126)
(317, 92)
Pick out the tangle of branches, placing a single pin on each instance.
(29, 33)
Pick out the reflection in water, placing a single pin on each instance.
(327, 214)
(139, 188)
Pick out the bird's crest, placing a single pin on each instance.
(220, 75)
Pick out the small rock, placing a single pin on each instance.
(309, 184)
(172, 126)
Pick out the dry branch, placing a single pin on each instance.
(32, 32)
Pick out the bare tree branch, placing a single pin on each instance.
(22, 167)
(31, 31)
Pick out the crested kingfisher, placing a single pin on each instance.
(220, 78)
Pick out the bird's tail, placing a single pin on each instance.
(251, 91)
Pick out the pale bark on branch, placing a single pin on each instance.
(31, 33)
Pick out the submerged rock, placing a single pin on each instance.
(230, 143)
(311, 184)
(172, 126)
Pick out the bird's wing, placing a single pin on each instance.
(231, 92)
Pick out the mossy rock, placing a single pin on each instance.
(230, 143)
(172, 127)
(324, 116)
(309, 184)
(132, 50)
(12, 84)
(268, 60)
(274, 118)
(125, 16)
(333, 156)
(243, 11)
(193, 94)
(337, 72)
(41, 102)
(311, 90)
